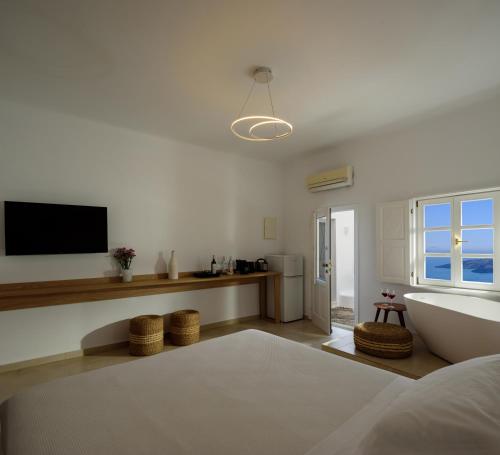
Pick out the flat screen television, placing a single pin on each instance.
(34, 228)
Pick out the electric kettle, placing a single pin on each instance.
(261, 265)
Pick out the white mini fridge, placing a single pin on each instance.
(292, 286)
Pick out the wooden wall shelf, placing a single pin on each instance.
(16, 296)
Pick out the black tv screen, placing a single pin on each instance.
(34, 228)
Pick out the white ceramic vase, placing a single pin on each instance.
(127, 275)
(173, 271)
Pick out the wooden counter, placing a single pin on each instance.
(16, 296)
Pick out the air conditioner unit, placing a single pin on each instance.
(330, 180)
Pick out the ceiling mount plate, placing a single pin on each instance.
(263, 75)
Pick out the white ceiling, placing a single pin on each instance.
(181, 68)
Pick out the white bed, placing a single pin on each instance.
(245, 393)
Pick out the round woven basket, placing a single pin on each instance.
(185, 327)
(384, 340)
(146, 335)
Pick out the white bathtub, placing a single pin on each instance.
(456, 327)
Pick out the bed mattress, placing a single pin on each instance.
(244, 393)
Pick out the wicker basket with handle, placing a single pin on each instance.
(185, 327)
(146, 335)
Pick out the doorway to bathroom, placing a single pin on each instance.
(344, 267)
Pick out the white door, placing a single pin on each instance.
(333, 262)
(321, 308)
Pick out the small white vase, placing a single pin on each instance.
(173, 271)
(127, 275)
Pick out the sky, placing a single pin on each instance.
(474, 212)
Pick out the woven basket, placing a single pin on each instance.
(185, 327)
(384, 340)
(146, 335)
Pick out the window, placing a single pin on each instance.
(458, 243)
(321, 248)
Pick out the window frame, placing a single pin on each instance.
(421, 230)
(455, 200)
(320, 274)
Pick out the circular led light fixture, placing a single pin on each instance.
(244, 128)
(254, 127)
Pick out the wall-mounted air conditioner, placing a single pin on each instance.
(330, 180)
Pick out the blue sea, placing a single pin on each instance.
(476, 270)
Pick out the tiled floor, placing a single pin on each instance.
(303, 332)
(10, 382)
(420, 363)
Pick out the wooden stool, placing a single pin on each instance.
(389, 341)
(388, 307)
(146, 335)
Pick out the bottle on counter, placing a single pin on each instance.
(213, 266)
(173, 272)
(230, 266)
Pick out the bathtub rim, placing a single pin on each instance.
(495, 319)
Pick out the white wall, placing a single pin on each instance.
(459, 150)
(161, 195)
(344, 258)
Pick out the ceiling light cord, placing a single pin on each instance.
(272, 105)
(246, 101)
(270, 97)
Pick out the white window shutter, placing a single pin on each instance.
(393, 242)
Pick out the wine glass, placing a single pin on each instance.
(392, 295)
(385, 294)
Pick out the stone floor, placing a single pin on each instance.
(343, 315)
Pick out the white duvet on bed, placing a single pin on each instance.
(245, 393)
(452, 411)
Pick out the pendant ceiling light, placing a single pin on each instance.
(261, 128)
